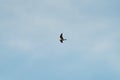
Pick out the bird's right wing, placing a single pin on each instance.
(61, 41)
(61, 35)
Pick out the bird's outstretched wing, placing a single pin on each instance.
(61, 36)
(61, 41)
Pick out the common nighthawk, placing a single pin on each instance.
(61, 38)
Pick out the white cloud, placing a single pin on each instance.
(20, 44)
(33, 19)
(102, 46)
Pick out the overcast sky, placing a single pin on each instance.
(30, 47)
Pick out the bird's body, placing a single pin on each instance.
(61, 38)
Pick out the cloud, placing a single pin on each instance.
(33, 26)
(102, 46)
(19, 44)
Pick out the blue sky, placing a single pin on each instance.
(30, 47)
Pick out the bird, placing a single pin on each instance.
(61, 38)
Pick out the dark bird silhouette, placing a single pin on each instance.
(61, 38)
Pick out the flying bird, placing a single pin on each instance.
(61, 38)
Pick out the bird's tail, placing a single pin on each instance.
(65, 39)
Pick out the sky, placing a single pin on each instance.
(30, 47)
